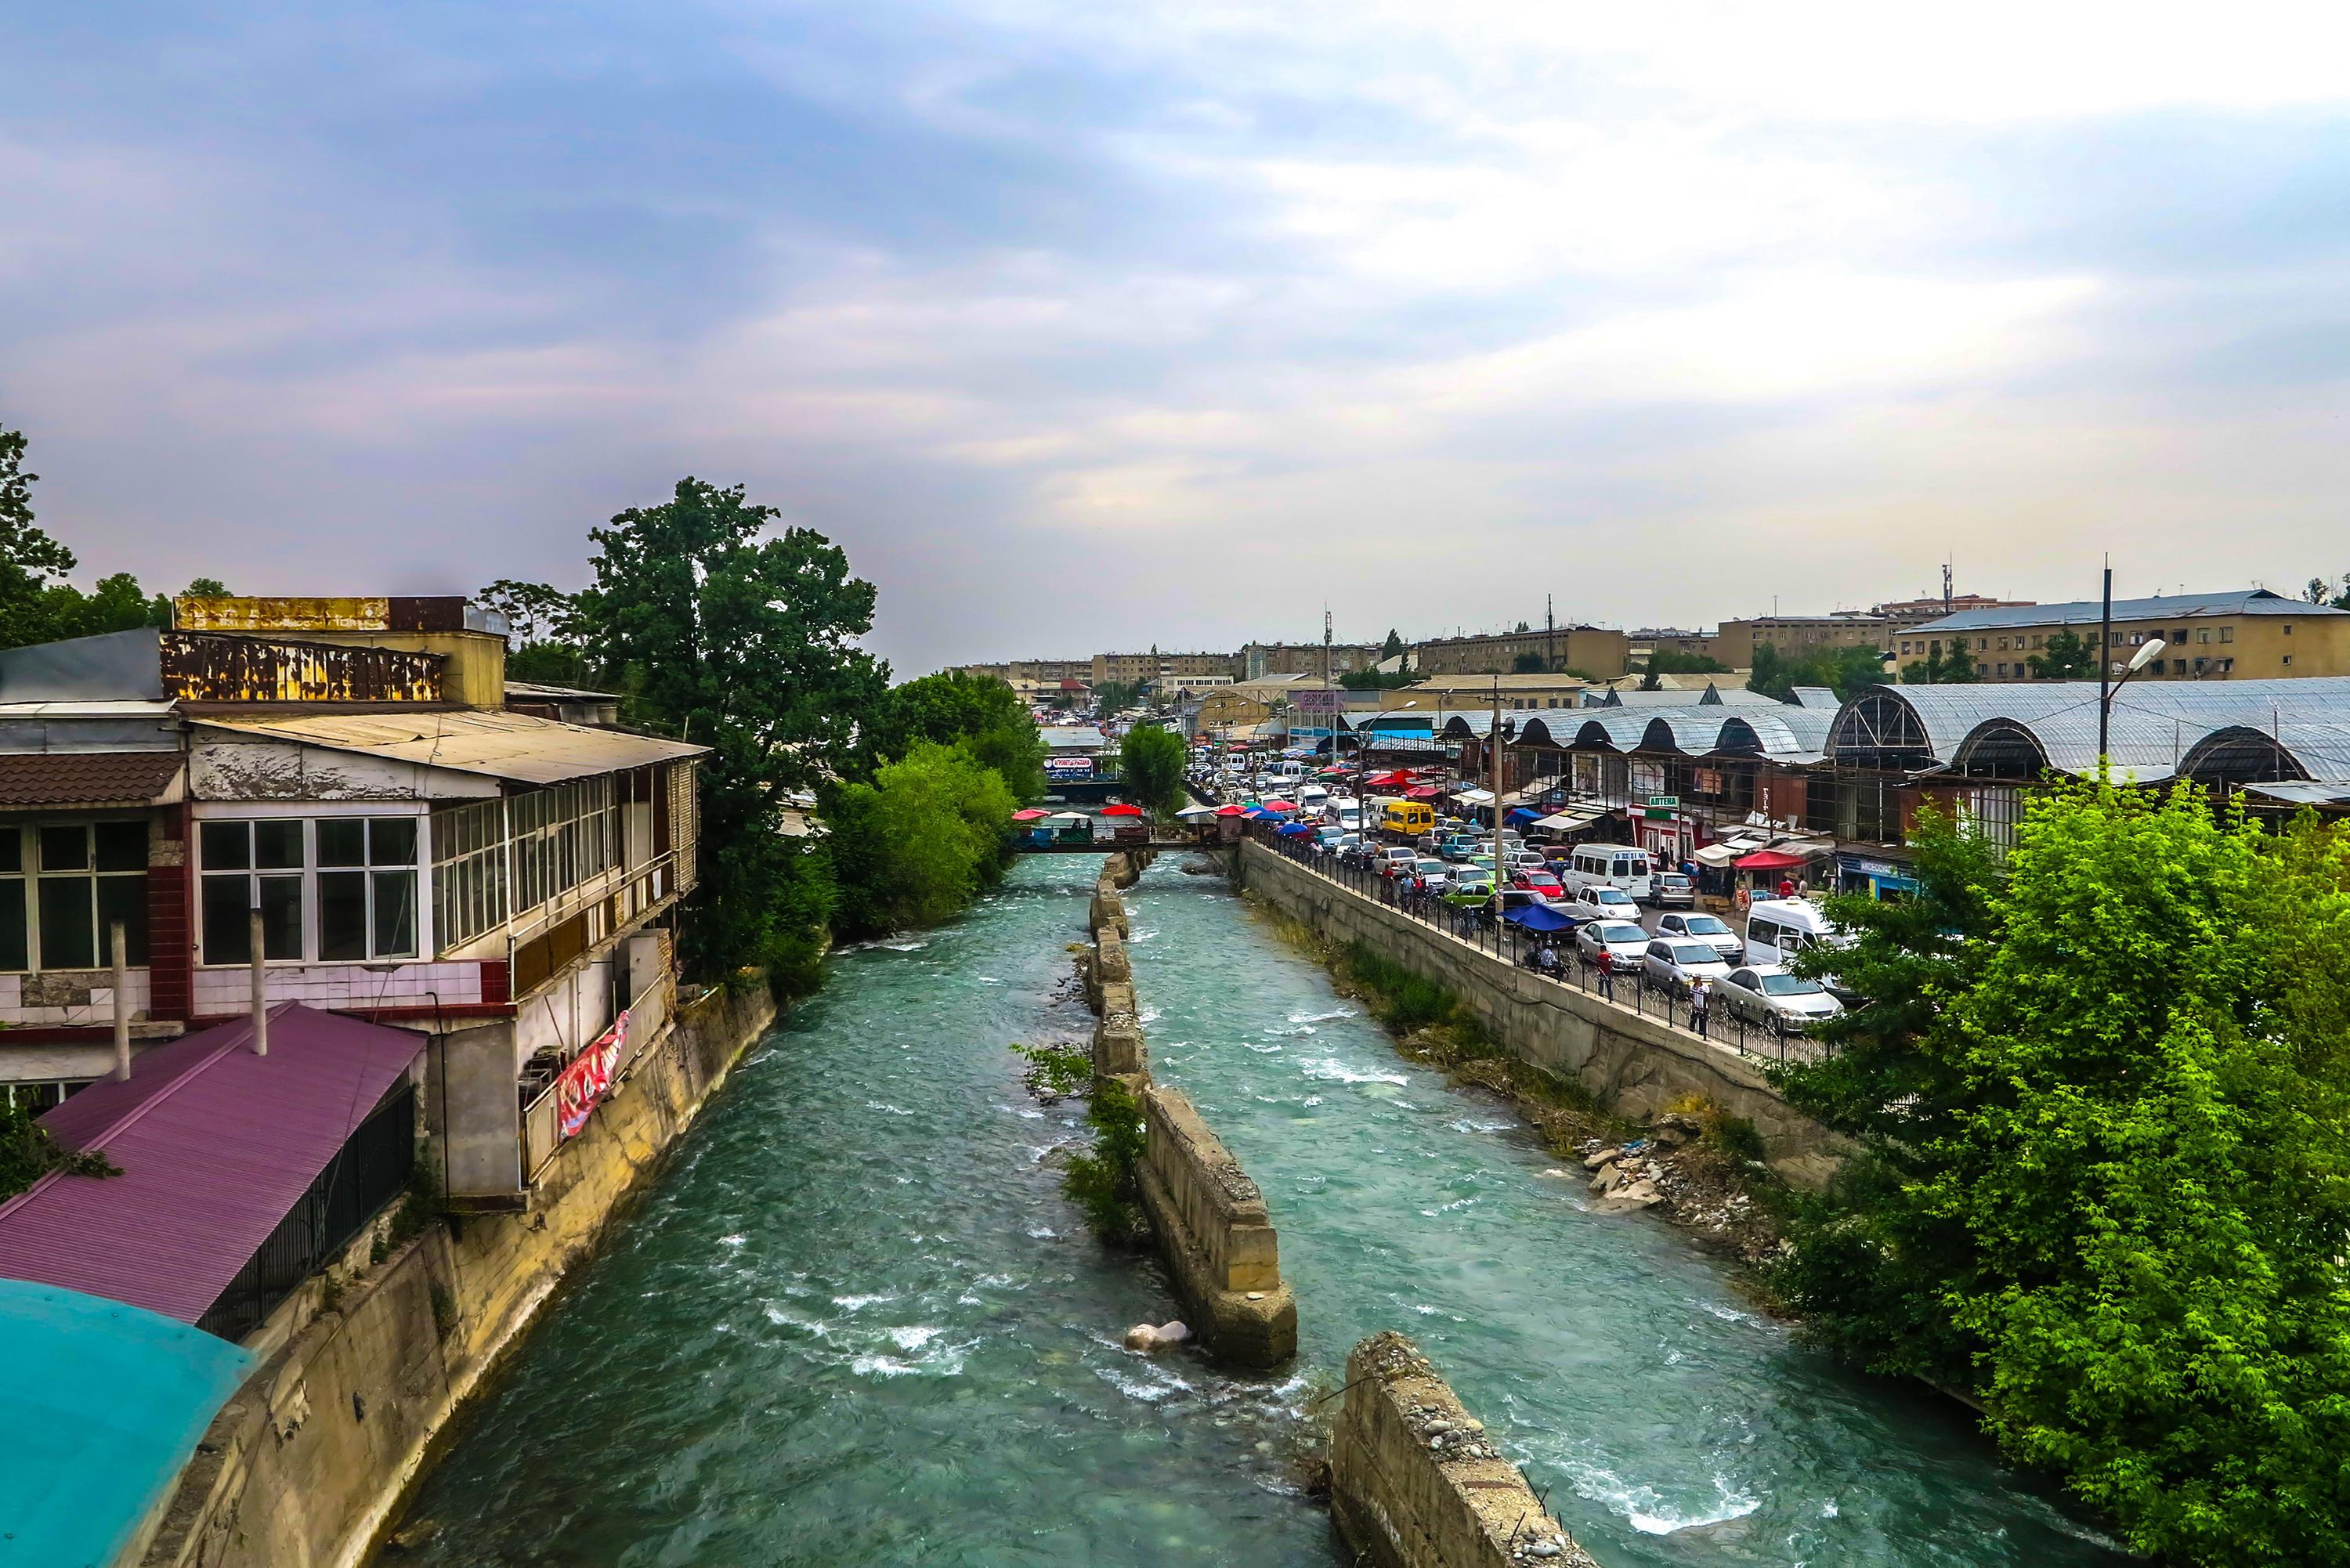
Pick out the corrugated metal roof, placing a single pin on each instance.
(88, 779)
(2298, 791)
(2155, 722)
(1070, 736)
(215, 1145)
(516, 746)
(2086, 612)
(1819, 697)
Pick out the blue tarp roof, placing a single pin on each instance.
(107, 1402)
(1521, 813)
(1540, 917)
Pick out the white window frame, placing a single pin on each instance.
(308, 813)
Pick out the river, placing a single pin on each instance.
(855, 1321)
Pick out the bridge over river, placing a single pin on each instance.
(857, 1323)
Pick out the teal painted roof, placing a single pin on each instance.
(107, 1402)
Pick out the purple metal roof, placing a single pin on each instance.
(215, 1145)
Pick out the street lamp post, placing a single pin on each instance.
(2108, 689)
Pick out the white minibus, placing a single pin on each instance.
(1620, 865)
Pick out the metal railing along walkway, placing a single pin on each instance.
(1627, 989)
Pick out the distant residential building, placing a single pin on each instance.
(1143, 669)
(1259, 659)
(2246, 633)
(1038, 672)
(1942, 607)
(1596, 652)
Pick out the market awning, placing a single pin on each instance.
(1068, 816)
(1521, 815)
(1230, 811)
(1540, 917)
(1422, 792)
(1773, 861)
(1719, 854)
(1033, 813)
(1473, 796)
(1568, 821)
(1121, 810)
(1192, 811)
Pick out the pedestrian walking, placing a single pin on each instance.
(1701, 1000)
(1606, 974)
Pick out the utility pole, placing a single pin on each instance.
(1946, 585)
(2104, 669)
(1550, 637)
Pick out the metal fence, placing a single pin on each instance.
(372, 1166)
(1627, 987)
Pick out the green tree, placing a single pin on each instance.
(1393, 646)
(1673, 661)
(1115, 696)
(36, 604)
(915, 845)
(546, 639)
(980, 711)
(1844, 670)
(2322, 592)
(1150, 769)
(1528, 663)
(743, 639)
(2067, 657)
(2113, 1200)
(1941, 668)
(205, 588)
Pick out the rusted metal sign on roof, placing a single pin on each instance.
(204, 667)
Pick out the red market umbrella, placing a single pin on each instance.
(1121, 810)
(1033, 813)
(1228, 811)
(1771, 860)
(1423, 792)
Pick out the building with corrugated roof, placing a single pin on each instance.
(424, 847)
(2249, 634)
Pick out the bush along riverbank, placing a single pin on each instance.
(1699, 1168)
(1100, 1178)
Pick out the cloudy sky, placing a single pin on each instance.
(1094, 325)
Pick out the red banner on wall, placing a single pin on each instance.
(582, 1086)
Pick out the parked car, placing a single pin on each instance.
(1671, 891)
(1468, 892)
(1357, 853)
(1704, 929)
(1624, 938)
(1766, 995)
(1674, 966)
(1516, 899)
(1542, 884)
(1397, 859)
(1430, 875)
(1597, 902)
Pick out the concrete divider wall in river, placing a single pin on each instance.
(1414, 1484)
(1636, 1065)
(1208, 1218)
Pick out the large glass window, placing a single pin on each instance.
(62, 887)
(468, 871)
(339, 889)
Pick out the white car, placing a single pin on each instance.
(1675, 966)
(1766, 994)
(1598, 902)
(1622, 939)
(1709, 929)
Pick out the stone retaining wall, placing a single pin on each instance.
(306, 1463)
(1208, 1217)
(1414, 1483)
(1637, 1066)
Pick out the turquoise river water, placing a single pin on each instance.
(857, 1323)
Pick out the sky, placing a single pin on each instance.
(1100, 326)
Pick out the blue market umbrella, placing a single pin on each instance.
(1292, 829)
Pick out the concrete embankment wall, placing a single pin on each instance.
(1637, 1066)
(302, 1468)
(1208, 1217)
(1414, 1483)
